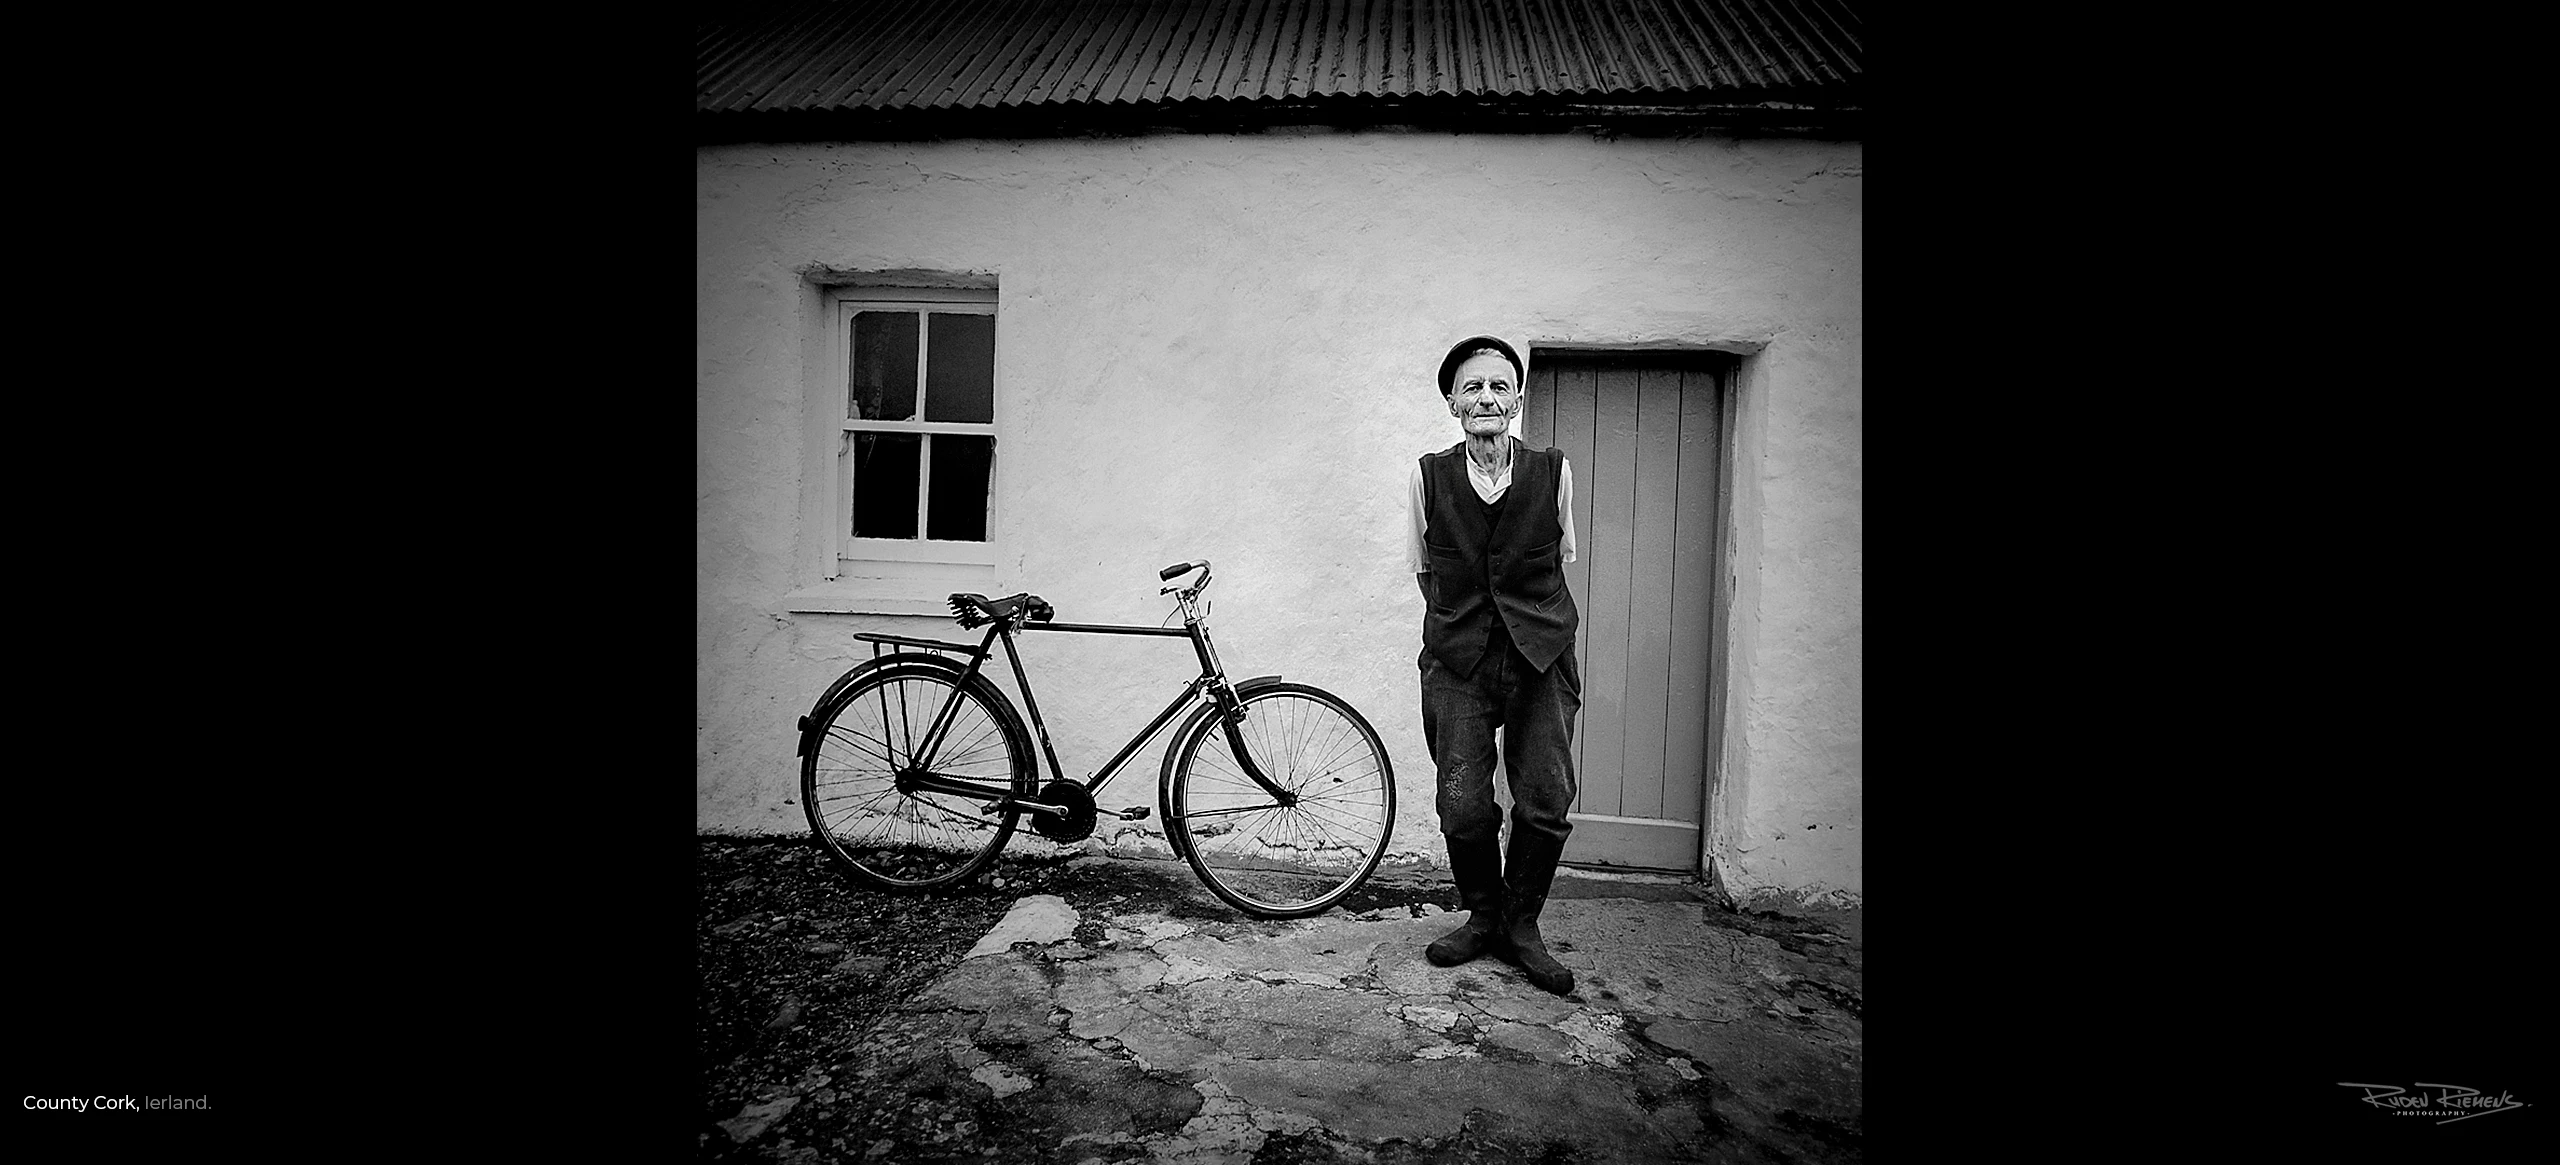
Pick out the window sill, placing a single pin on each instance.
(882, 552)
(892, 588)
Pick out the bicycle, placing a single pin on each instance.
(915, 767)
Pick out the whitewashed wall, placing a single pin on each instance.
(1223, 347)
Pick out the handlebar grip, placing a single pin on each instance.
(1180, 567)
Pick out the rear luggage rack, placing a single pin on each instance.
(875, 639)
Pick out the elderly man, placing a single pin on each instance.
(1492, 530)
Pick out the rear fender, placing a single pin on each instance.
(816, 721)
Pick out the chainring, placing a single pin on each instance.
(1077, 825)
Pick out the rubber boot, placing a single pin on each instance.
(1526, 875)
(1477, 868)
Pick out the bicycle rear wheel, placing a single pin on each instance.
(1259, 855)
(912, 839)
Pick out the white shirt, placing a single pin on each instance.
(1490, 487)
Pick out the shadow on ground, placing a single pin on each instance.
(1099, 1010)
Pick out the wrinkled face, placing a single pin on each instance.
(1482, 395)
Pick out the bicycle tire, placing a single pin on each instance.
(1275, 861)
(913, 840)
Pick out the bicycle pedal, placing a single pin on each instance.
(1134, 813)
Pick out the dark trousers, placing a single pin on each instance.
(1534, 711)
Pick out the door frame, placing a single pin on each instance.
(1720, 605)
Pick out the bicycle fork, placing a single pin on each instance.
(1231, 715)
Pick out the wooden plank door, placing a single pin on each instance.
(1643, 432)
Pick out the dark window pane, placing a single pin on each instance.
(884, 366)
(884, 484)
(960, 369)
(956, 509)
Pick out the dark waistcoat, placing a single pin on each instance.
(1502, 561)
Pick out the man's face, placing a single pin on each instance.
(1482, 395)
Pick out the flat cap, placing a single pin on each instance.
(1458, 355)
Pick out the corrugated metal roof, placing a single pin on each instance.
(820, 55)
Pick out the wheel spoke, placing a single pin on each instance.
(1351, 824)
(972, 820)
(922, 838)
(863, 745)
(1293, 859)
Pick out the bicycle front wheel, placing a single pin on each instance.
(1273, 858)
(857, 784)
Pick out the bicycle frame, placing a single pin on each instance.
(1212, 679)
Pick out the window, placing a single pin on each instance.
(914, 380)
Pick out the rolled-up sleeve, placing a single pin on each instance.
(1414, 557)
(1564, 504)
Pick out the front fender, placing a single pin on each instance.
(1164, 774)
(816, 721)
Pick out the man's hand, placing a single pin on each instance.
(1422, 579)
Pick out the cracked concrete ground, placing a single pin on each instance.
(1693, 1035)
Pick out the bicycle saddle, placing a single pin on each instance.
(976, 610)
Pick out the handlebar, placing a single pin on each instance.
(1180, 568)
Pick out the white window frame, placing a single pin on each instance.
(849, 551)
